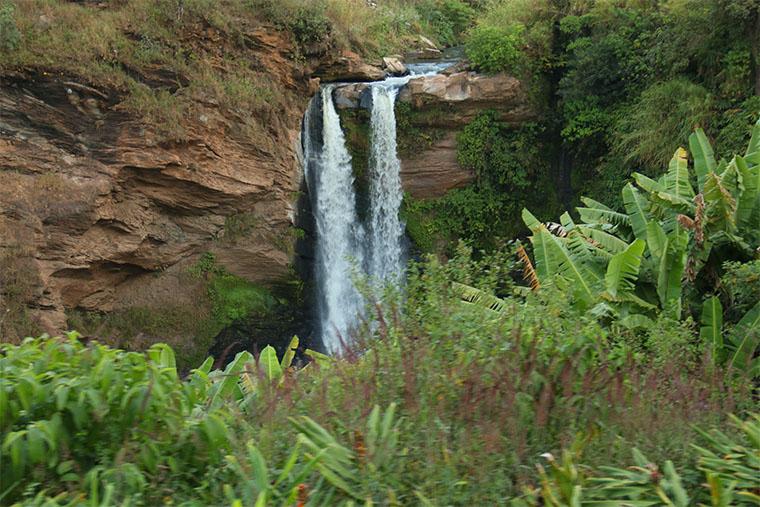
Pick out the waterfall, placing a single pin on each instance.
(343, 247)
(386, 230)
(339, 233)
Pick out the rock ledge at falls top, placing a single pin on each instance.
(444, 103)
(461, 96)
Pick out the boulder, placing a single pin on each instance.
(348, 66)
(464, 95)
(394, 66)
(425, 49)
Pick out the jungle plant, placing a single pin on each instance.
(730, 466)
(633, 264)
(366, 473)
(71, 412)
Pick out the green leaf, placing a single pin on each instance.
(720, 204)
(269, 364)
(290, 353)
(229, 379)
(531, 222)
(754, 143)
(712, 323)
(677, 178)
(636, 206)
(704, 157)
(623, 269)
(546, 262)
(597, 213)
(478, 297)
(749, 201)
(746, 338)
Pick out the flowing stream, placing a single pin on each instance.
(346, 247)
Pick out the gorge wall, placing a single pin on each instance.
(99, 213)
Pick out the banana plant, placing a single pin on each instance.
(669, 231)
(739, 348)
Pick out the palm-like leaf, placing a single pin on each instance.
(753, 148)
(636, 205)
(748, 206)
(746, 338)
(603, 240)
(478, 297)
(623, 269)
(720, 204)
(704, 157)
(677, 177)
(228, 385)
(712, 324)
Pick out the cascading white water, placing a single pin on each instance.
(342, 244)
(340, 234)
(386, 230)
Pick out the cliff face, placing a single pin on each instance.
(435, 108)
(97, 212)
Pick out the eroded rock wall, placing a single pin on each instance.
(99, 211)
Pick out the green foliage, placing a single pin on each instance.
(308, 22)
(473, 396)
(495, 49)
(729, 466)
(506, 162)
(501, 157)
(663, 117)
(235, 298)
(671, 231)
(741, 285)
(10, 37)
(449, 19)
(76, 416)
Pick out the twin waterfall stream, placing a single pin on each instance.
(347, 247)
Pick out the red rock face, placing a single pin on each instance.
(104, 214)
(434, 171)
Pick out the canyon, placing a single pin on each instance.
(99, 213)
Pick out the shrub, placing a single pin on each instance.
(447, 18)
(88, 416)
(495, 49)
(741, 285)
(663, 117)
(10, 37)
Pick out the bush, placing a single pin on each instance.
(103, 420)
(663, 117)
(495, 49)
(10, 37)
(448, 18)
(741, 286)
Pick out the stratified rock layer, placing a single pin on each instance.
(103, 208)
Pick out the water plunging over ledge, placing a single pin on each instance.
(346, 247)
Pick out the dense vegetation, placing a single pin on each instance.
(617, 85)
(614, 360)
(454, 392)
